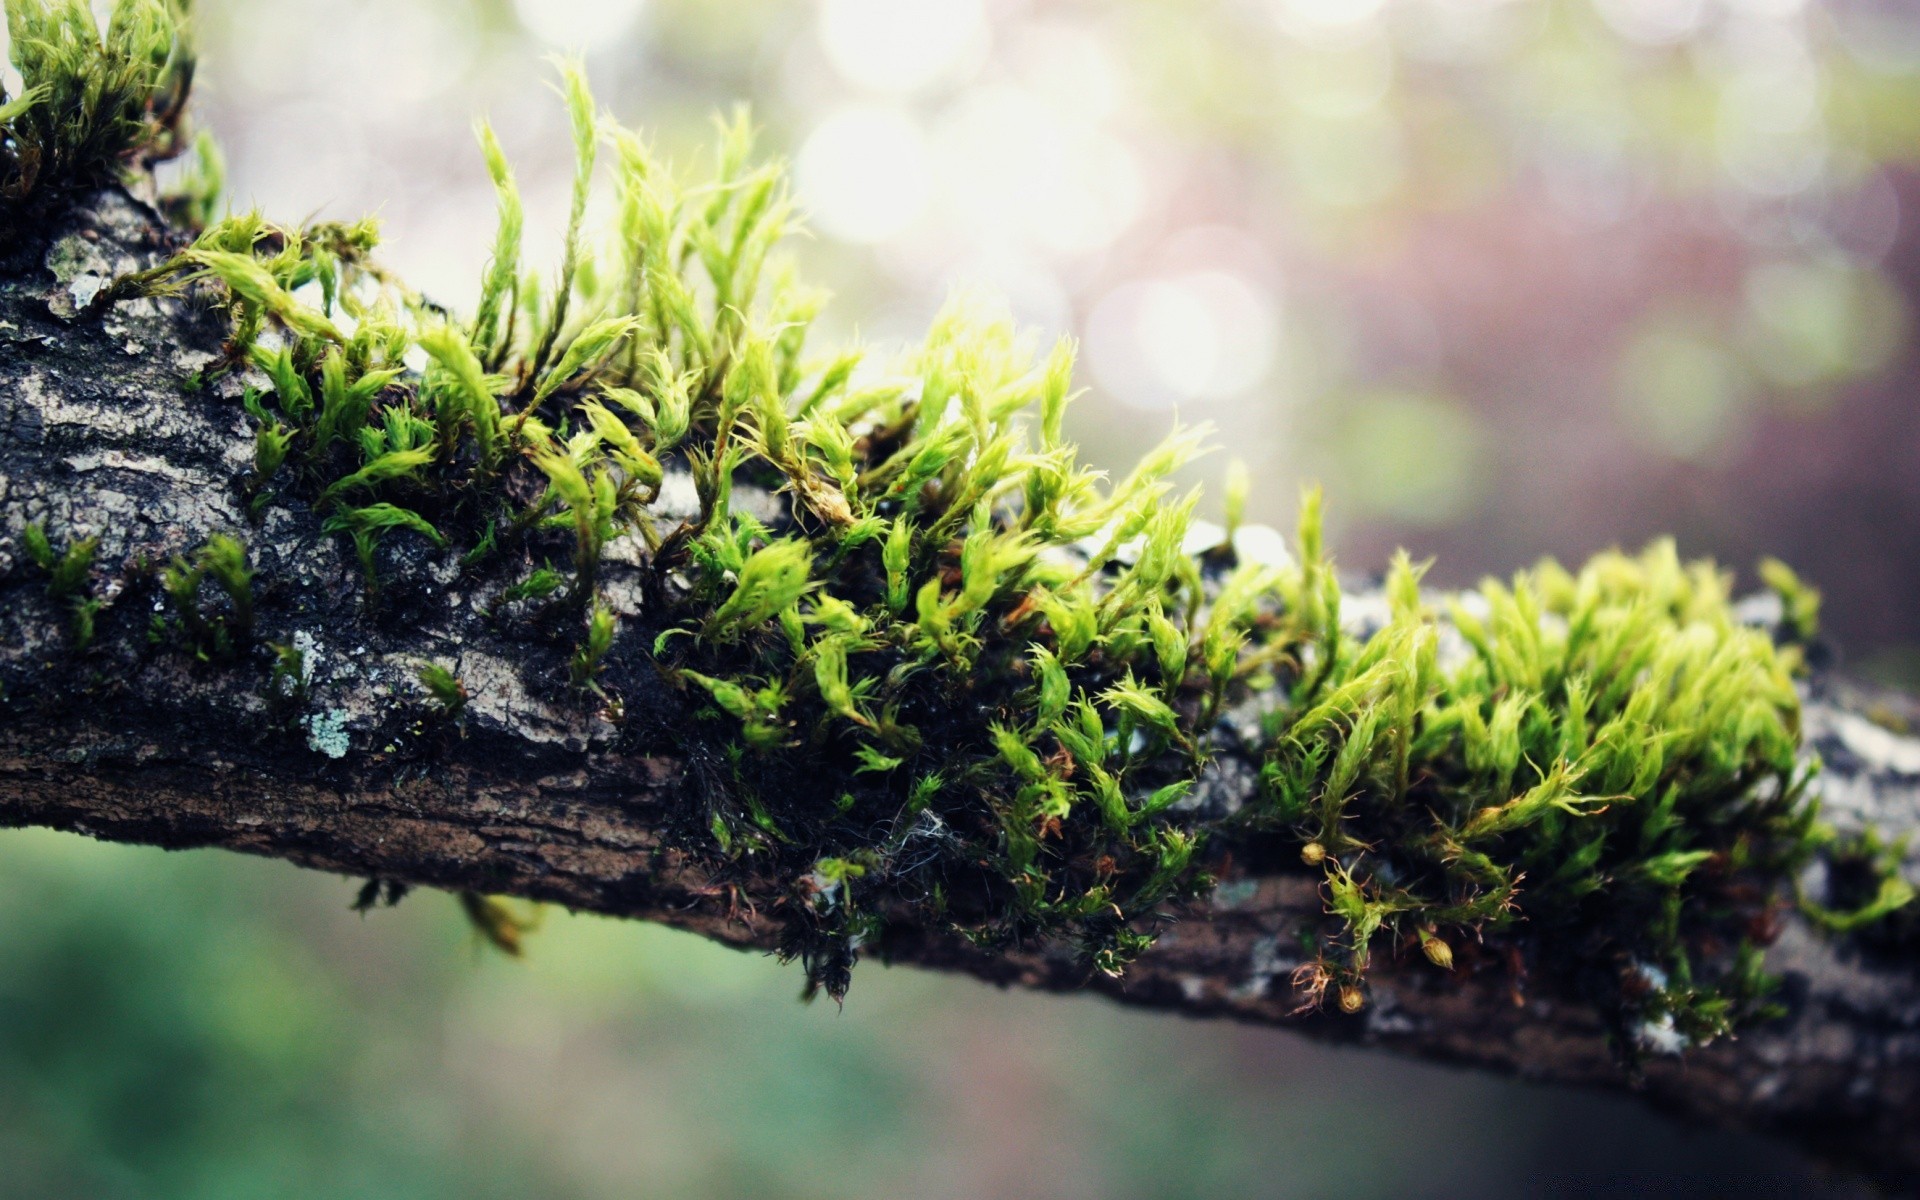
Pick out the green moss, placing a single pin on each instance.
(1608, 756)
(591, 655)
(1865, 887)
(291, 672)
(93, 102)
(210, 594)
(496, 920)
(1799, 603)
(445, 688)
(968, 679)
(68, 579)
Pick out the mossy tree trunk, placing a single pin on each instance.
(341, 761)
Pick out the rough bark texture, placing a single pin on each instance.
(535, 792)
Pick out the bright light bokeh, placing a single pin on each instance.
(578, 25)
(902, 46)
(1202, 336)
(864, 173)
(1016, 168)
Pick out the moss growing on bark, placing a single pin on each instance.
(1609, 756)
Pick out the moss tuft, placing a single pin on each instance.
(68, 579)
(1609, 756)
(94, 102)
(448, 693)
(210, 595)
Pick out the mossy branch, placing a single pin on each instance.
(858, 659)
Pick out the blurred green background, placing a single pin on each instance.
(1511, 277)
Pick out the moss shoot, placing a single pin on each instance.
(960, 679)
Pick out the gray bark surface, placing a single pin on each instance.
(536, 792)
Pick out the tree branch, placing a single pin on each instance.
(341, 761)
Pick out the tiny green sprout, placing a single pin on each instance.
(81, 625)
(290, 672)
(368, 524)
(830, 674)
(225, 559)
(1239, 484)
(628, 454)
(873, 760)
(498, 923)
(1142, 704)
(590, 503)
(444, 687)
(590, 656)
(487, 543)
(291, 390)
(594, 344)
(895, 557)
(580, 109)
(270, 444)
(1172, 851)
(1671, 869)
(497, 290)
(1556, 791)
(1799, 602)
(925, 789)
(540, 583)
(1074, 621)
(67, 570)
(1053, 690)
(1163, 798)
(67, 579)
(1169, 644)
(216, 634)
(1018, 756)
(39, 549)
(397, 464)
(731, 697)
(465, 399)
(258, 292)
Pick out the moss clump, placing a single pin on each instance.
(963, 681)
(94, 103)
(1609, 756)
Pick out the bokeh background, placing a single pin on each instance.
(1510, 277)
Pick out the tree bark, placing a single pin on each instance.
(535, 791)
